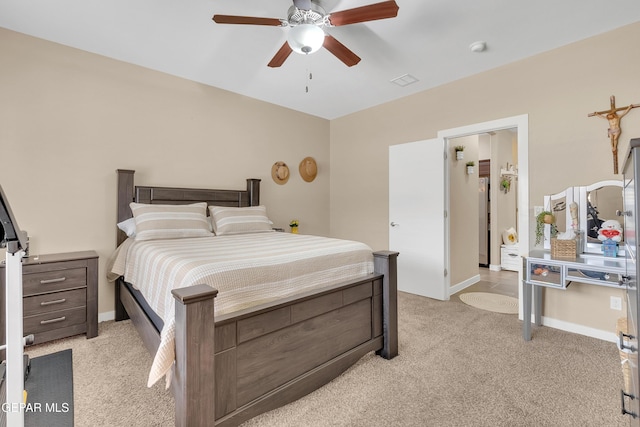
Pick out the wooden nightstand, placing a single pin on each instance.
(60, 295)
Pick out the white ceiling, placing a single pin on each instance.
(429, 39)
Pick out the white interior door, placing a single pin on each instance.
(417, 216)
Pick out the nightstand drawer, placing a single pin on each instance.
(55, 320)
(50, 281)
(40, 304)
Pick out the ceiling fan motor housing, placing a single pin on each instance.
(316, 15)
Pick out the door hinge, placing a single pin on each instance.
(446, 214)
(445, 155)
(445, 272)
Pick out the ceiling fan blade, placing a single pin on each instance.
(249, 20)
(280, 56)
(340, 51)
(383, 10)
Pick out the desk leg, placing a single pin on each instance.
(526, 311)
(537, 304)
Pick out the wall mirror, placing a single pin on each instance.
(597, 203)
(558, 204)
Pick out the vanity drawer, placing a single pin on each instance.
(54, 280)
(545, 275)
(55, 320)
(45, 303)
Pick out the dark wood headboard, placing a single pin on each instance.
(128, 192)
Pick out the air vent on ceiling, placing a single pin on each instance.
(404, 80)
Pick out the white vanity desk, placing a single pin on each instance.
(541, 270)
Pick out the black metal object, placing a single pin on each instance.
(622, 344)
(624, 409)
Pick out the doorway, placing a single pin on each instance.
(521, 188)
(483, 203)
(420, 194)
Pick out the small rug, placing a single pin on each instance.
(50, 391)
(491, 302)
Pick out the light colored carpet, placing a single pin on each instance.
(109, 379)
(458, 366)
(491, 302)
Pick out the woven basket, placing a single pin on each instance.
(621, 326)
(564, 248)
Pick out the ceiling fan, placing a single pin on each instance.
(306, 20)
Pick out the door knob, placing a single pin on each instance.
(394, 224)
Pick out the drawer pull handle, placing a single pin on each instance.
(623, 346)
(624, 409)
(56, 320)
(58, 280)
(56, 301)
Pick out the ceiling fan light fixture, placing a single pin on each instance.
(305, 38)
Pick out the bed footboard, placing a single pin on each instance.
(253, 350)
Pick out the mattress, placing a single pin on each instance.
(247, 269)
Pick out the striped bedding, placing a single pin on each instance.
(247, 270)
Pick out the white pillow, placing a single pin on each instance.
(170, 221)
(510, 236)
(128, 226)
(230, 220)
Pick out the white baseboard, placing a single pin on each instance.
(464, 284)
(105, 317)
(577, 329)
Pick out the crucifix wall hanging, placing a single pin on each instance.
(614, 125)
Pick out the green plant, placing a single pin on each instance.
(459, 148)
(505, 184)
(471, 163)
(545, 217)
(293, 223)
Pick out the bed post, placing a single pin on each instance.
(253, 188)
(125, 196)
(126, 191)
(386, 262)
(194, 374)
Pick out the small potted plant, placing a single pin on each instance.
(505, 184)
(459, 152)
(545, 217)
(294, 226)
(470, 166)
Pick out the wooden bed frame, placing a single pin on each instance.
(264, 357)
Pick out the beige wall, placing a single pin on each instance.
(503, 205)
(464, 211)
(69, 119)
(557, 90)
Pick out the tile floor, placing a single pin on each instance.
(503, 282)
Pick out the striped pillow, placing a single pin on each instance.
(170, 221)
(229, 220)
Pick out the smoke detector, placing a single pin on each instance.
(478, 46)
